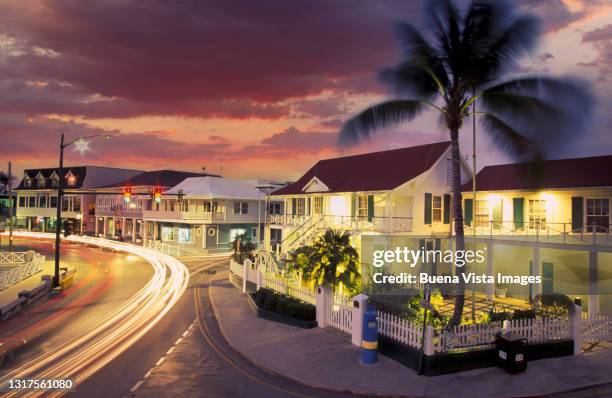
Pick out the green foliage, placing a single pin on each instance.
(243, 249)
(406, 305)
(330, 261)
(285, 305)
(553, 305)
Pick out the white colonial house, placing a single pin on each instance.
(204, 214)
(551, 219)
(396, 192)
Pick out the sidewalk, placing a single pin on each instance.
(10, 293)
(325, 358)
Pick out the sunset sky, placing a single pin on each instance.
(247, 88)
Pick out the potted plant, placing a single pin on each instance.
(501, 290)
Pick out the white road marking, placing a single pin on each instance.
(170, 350)
(148, 373)
(136, 386)
(161, 360)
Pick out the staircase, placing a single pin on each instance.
(302, 235)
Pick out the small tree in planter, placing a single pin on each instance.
(501, 290)
(243, 249)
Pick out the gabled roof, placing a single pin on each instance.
(80, 173)
(158, 178)
(215, 187)
(547, 174)
(86, 177)
(377, 171)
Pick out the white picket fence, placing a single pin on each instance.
(540, 330)
(290, 287)
(465, 336)
(596, 328)
(339, 313)
(399, 329)
(22, 265)
(236, 269)
(162, 247)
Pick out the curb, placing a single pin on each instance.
(256, 363)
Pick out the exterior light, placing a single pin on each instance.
(79, 216)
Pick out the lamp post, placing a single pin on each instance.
(60, 192)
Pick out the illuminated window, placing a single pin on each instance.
(317, 205)
(436, 208)
(27, 182)
(362, 206)
(301, 206)
(41, 181)
(481, 213)
(54, 180)
(70, 179)
(537, 213)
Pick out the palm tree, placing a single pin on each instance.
(332, 260)
(468, 55)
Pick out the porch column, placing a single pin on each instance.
(133, 230)
(535, 268)
(122, 228)
(490, 286)
(593, 281)
(105, 227)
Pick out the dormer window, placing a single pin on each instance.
(41, 180)
(54, 180)
(70, 179)
(27, 181)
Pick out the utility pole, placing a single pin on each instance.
(10, 195)
(58, 213)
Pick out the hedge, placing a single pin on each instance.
(285, 305)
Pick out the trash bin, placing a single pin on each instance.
(511, 351)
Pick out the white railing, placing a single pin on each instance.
(265, 262)
(399, 329)
(289, 287)
(287, 219)
(540, 330)
(465, 336)
(339, 313)
(162, 247)
(22, 270)
(596, 328)
(236, 269)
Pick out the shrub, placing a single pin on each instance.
(285, 305)
(524, 314)
(498, 316)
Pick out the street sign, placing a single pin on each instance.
(426, 305)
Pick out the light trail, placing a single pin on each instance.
(80, 357)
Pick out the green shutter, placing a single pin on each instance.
(427, 218)
(294, 206)
(353, 206)
(518, 205)
(577, 213)
(447, 208)
(498, 214)
(469, 211)
(370, 207)
(308, 204)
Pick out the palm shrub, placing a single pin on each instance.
(468, 56)
(243, 249)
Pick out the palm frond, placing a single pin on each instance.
(509, 140)
(383, 115)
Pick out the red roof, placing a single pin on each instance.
(377, 171)
(546, 174)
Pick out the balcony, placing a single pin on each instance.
(119, 211)
(185, 216)
(385, 225)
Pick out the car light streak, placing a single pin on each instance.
(80, 357)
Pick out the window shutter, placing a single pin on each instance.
(427, 218)
(294, 206)
(577, 213)
(353, 205)
(370, 207)
(422, 244)
(518, 205)
(469, 211)
(447, 208)
(308, 206)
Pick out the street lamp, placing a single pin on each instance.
(81, 143)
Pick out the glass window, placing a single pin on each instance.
(436, 208)
(275, 235)
(167, 233)
(65, 203)
(185, 205)
(598, 214)
(300, 206)
(275, 208)
(537, 214)
(241, 208)
(76, 203)
(54, 181)
(317, 205)
(27, 182)
(184, 235)
(32, 201)
(362, 206)
(42, 201)
(41, 182)
(53, 201)
(481, 213)
(211, 207)
(22, 201)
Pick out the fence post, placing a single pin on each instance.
(575, 319)
(259, 279)
(505, 326)
(428, 344)
(360, 303)
(322, 304)
(245, 276)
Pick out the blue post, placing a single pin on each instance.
(369, 340)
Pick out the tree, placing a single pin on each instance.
(243, 249)
(465, 56)
(332, 260)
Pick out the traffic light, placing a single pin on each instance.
(127, 195)
(157, 196)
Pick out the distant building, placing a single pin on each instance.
(37, 196)
(204, 214)
(120, 206)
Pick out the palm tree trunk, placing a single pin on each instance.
(458, 225)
